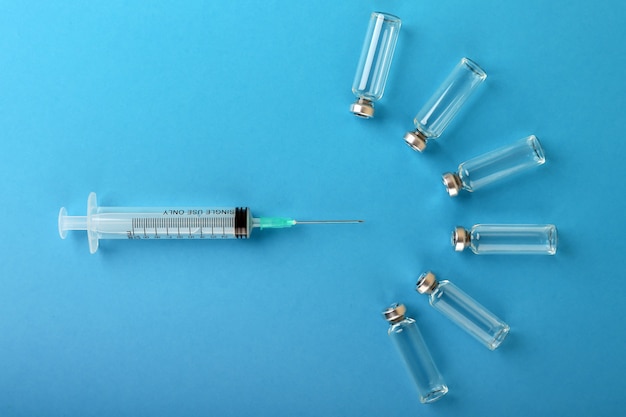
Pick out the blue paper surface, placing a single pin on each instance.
(243, 103)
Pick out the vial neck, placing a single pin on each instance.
(363, 108)
(461, 239)
(416, 140)
(453, 183)
(433, 289)
(427, 283)
(395, 314)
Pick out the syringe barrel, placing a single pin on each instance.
(170, 223)
(157, 222)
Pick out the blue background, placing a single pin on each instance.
(224, 103)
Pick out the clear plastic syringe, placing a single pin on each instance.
(171, 222)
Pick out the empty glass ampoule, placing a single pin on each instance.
(463, 310)
(523, 239)
(410, 343)
(495, 165)
(437, 113)
(373, 69)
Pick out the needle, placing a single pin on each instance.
(327, 221)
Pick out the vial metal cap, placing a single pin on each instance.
(453, 183)
(460, 239)
(426, 283)
(363, 108)
(395, 313)
(416, 140)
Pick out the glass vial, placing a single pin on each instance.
(439, 111)
(495, 165)
(373, 69)
(408, 340)
(463, 310)
(522, 239)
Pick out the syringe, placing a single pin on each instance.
(171, 222)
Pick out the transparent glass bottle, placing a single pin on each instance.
(373, 69)
(495, 166)
(463, 310)
(523, 239)
(439, 111)
(410, 344)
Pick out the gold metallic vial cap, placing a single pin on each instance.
(363, 108)
(460, 239)
(416, 140)
(453, 183)
(426, 283)
(395, 313)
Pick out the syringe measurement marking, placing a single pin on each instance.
(150, 227)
